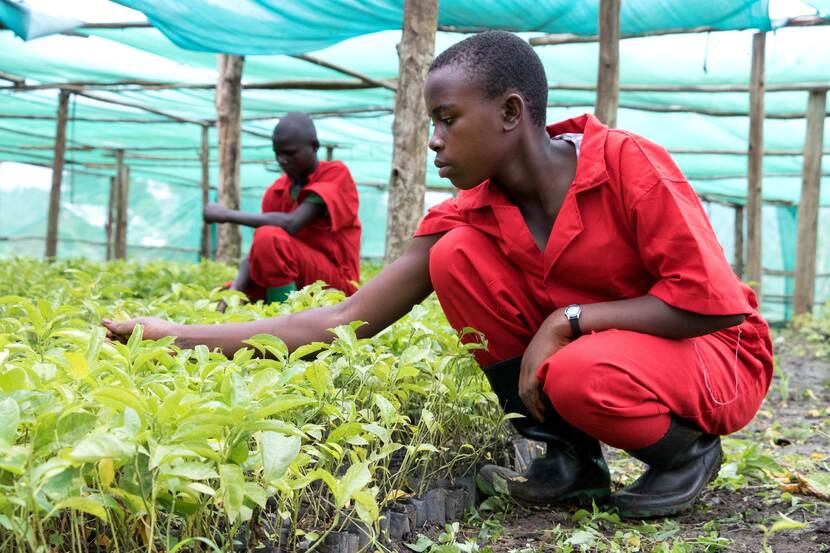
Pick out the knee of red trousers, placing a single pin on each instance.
(475, 290)
(270, 260)
(449, 259)
(602, 398)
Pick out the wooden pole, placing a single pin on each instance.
(739, 240)
(754, 205)
(411, 126)
(228, 108)
(808, 206)
(57, 176)
(110, 247)
(329, 152)
(121, 204)
(204, 154)
(608, 78)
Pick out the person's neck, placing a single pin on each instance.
(528, 179)
(302, 179)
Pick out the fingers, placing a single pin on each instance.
(118, 330)
(533, 401)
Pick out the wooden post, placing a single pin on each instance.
(122, 199)
(754, 204)
(329, 152)
(608, 77)
(57, 176)
(110, 250)
(204, 155)
(808, 206)
(739, 240)
(228, 107)
(411, 126)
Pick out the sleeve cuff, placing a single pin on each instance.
(699, 301)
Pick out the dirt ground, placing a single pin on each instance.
(792, 429)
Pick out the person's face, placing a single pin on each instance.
(468, 135)
(295, 154)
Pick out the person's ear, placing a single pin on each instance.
(315, 144)
(513, 108)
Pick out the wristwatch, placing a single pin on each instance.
(572, 313)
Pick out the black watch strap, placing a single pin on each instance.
(573, 312)
(576, 331)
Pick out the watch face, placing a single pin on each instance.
(572, 311)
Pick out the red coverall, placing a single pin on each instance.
(630, 225)
(327, 249)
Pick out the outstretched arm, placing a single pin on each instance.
(382, 301)
(292, 222)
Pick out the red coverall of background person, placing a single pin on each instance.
(328, 249)
(630, 225)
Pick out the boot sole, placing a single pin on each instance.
(672, 510)
(599, 495)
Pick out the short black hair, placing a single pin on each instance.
(501, 61)
(297, 122)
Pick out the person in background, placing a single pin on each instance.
(309, 228)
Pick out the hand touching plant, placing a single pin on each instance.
(154, 328)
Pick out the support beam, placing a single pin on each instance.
(346, 71)
(57, 176)
(608, 78)
(122, 199)
(782, 87)
(329, 152)
(569, 38)
(321, 84)
(124, 25)
(18, 81)
(681, 109)
(739, 241)
(411, 126)
(138, 106)
(808, 206)
(228, 109)
(725, 152)
(754, 205)
(204, 154)
(143, 85)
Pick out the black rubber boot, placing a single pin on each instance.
(681, 464)
(572, 467)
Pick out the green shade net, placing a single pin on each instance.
(279, 27)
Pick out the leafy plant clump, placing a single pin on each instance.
(814, 329)
(147, 446)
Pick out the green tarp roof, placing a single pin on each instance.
(364, 139)
(280, 27)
